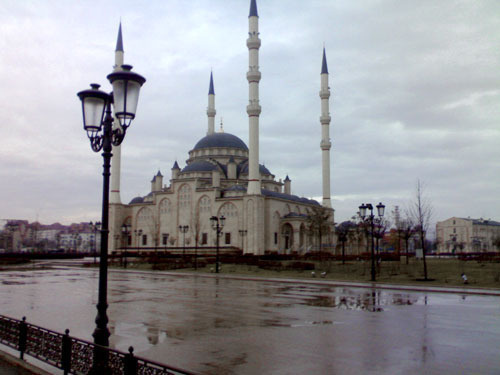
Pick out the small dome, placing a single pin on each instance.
(236, 188)
(262, 169)
(220, 140)
(137, 200)
(199, 166)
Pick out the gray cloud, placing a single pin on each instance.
(415, 93)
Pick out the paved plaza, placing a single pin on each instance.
(229, 326)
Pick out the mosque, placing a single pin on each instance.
(222, 177)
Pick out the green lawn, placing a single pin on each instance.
(443, 272)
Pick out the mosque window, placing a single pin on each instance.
(275, 238)
(205, 204)
(228, 238)
(229, 210)
(204, 238)
(185, 196)
(144, 217)
(165, 207)
(144, 239)
(164, 239)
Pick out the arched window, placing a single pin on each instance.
(185, 197)
(205, 205)
(165, 207)
(228, 210)
(144, 217)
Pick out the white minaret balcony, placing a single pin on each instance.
(253, 75)
(211, 112)
(253, 42)
(325, 119)
(324, 94)
(325, 144)
(254, 109)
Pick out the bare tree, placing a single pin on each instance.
(319, 222)
(406, 230)
(421, 212)
(196, 225)
(153, 225)
(344, 231)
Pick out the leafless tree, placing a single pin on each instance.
(421, 212)
(319, 222)
(153, 225)
(344, 232)
(196, 225)
(406, 230)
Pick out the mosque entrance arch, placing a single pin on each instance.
(302, 237)
(287, 236)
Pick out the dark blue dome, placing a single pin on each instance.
(221, 140)
(199, 166)
(137, 200)
(262, 169)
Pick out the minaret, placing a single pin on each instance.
(117, 150)
(325, 144)
(253, 108)
(211, 106)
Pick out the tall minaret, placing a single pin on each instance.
(325, 144)
(211, 106)
(253, 108)
(117, 150)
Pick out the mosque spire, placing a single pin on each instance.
(324, 66)
(211, 90)
(253, 9)
(253, 108)
(116, 161)
(211, 106)
(325, 119)
(119, 40)
(119, 53)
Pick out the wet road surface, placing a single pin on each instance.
(223, 326)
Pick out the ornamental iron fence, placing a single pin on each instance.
(73, 355)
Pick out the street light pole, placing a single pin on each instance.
(371, 219)
(98, 123)
(217, 225)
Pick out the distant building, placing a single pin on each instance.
(457, 235)
(20, 235)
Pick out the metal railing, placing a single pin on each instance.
(73, 355)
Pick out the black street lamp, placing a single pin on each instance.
(95, 227)
(98, 123)
(370, 219)
(126, 233)
(184, 229)
(217, 225)
(243, 233)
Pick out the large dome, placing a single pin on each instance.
(220, 140)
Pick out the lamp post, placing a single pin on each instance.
(98, 123)
(243, 233)
(183, 229)
(95, 227)
(370, 219)
(125, 232)
(217, 225)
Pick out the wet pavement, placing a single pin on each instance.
(227, 326)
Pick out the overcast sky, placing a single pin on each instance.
(415, 94)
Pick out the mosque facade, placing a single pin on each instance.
(223, 177)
